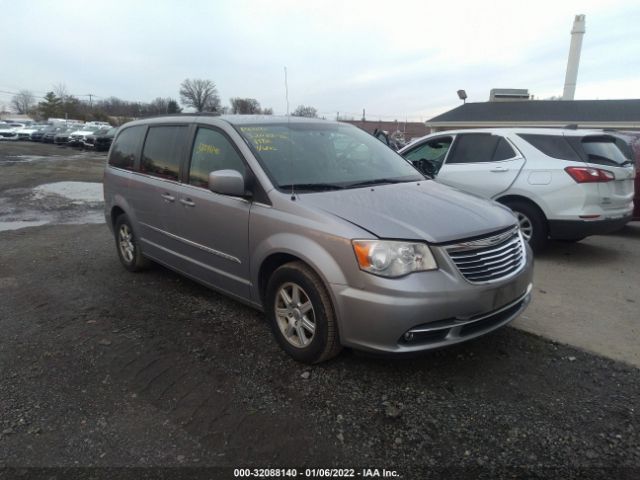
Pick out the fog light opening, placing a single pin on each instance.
(408, 337)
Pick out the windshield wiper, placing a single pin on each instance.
(312, 187)
(608, 161)
(377, 181)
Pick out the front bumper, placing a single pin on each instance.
(427, 310)
(570, 229)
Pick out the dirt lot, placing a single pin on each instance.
(103, 368)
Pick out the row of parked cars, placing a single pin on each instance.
(96, 135)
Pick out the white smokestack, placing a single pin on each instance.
(570, 79)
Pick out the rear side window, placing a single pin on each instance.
(504, 151)
(479, 148)
(212, 151)
(603, 151)
(625, 147)
(555, 146)
(163, 151)
(126, 148)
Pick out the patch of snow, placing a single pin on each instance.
(16, 225)
(89, 192)
(10, 159)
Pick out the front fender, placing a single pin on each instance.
(324, 261)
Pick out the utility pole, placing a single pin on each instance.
(90, 95)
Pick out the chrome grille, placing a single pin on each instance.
(489, 259)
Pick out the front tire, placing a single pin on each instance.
(533, 223)
(301, 314)
(127, 245)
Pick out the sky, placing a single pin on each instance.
(402, 62)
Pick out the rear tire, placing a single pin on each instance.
(533, 223)
(127, 245)
(301, 314)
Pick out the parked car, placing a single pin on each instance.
(561, 183)
(77, 137)
(50, 134)
(25, 132)
(7, 132)
(395, 141)
(98, 124)
(336, 237)
(101, 140)
(62, 137)
(629, 144)
(39, 132)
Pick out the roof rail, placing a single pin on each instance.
(194, 114)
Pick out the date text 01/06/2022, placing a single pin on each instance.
(315, 473)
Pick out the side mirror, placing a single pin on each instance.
(227, 182)
(426, 167)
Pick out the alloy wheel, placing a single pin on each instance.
(526, 227)
(125, 242)
(295, 315)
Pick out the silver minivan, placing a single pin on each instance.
(339, 240)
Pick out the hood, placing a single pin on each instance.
(425, 211)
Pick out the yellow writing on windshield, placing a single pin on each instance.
(262, 140)
(206, 148)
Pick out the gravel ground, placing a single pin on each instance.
(101, 368)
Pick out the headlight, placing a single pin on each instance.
(393, 259)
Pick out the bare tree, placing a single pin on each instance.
(60, 89)
(158, 106)
(200, 94)
(161, 106)
(23, 101)
(304, 111)
(245, 106)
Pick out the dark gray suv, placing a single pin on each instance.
(338, 239)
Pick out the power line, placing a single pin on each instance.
(90, 95)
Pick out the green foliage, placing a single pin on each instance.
(173, 107)
(51, 106)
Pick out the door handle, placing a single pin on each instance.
(188, 202)
(168, 197)
(499, 169)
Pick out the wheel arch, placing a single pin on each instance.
(283, 248)
(116, 211)
(520, 198)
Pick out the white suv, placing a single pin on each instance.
(561, 183)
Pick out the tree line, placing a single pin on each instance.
(198, 94)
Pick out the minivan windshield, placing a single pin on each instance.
(317, 156)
